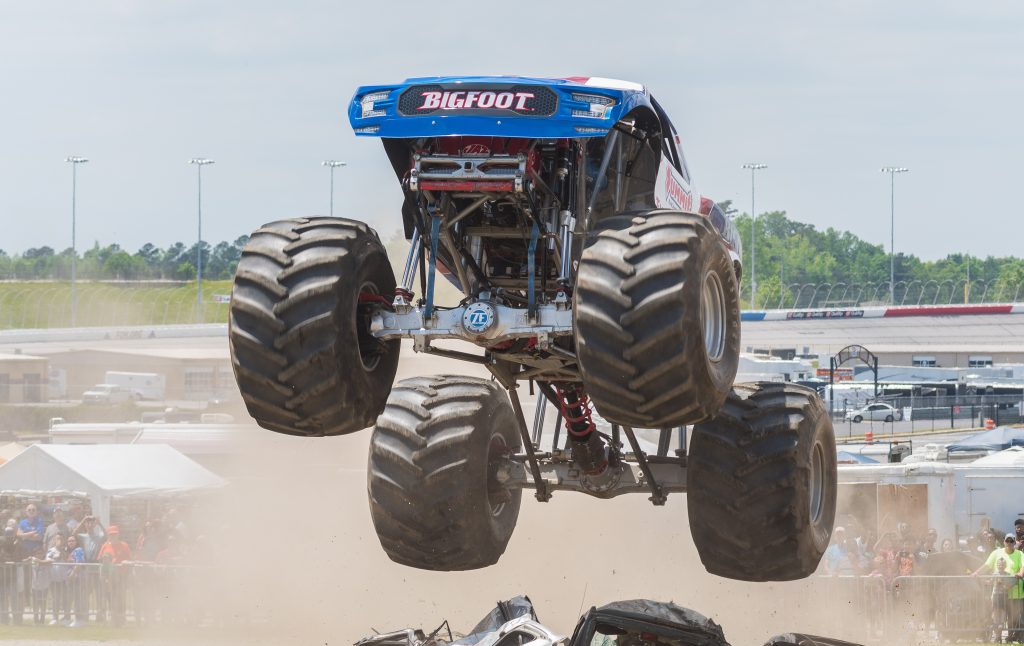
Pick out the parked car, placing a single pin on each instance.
(107, 394)
(874, 413)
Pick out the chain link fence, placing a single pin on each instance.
(914, 292)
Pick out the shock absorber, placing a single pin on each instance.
(589, 450)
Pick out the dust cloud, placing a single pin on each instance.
(298, 562)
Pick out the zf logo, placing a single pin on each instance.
(478, 319)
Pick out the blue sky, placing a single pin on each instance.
(824, 93)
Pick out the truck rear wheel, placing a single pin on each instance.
(301, 348)
(657, 319)
(761, 484)
(435, 498)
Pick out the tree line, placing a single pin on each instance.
(790, 252)
(111, 262)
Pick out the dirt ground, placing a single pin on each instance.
(301, 563)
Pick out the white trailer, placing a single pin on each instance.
(879, 497)
(990, 488)
(144, 385)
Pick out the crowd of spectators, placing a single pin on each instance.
(855, 552)
(901, 553)
(69, 570)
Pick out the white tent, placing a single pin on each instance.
(1011, 457)
(103, 472)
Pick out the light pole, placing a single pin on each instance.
(892, 170)
(199, 163)
(753, 223)
(332, 164)
(74, 161)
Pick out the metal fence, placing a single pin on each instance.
(910, 609)
(866, 609)
(76, 594)
(925, 413)
(914, 292)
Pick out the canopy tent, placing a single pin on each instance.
(102, 472)
(9, 450)
(846, 457)
(999, 438)
(1011, 457)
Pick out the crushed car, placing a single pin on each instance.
(636, 622)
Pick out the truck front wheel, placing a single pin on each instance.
(301, 348)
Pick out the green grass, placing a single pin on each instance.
(26, 305)
(47, 304)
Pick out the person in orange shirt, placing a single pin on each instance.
(114, 550)
(112, 555)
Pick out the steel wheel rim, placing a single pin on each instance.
(817, 482)
(370, 360)
(497, 493)
(712, 312)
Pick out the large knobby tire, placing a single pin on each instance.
(761, 484)
(434, 498)
(657, 319)
(301, 349)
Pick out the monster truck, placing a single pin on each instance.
(589, 268)
(637, 622)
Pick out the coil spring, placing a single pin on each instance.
(574, 405)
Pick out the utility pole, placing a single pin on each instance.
(753, 226)
(74, 161)
(199, 162)
(892, 170)
(332, 164)
(967, 285)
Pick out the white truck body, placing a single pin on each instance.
(144, 385)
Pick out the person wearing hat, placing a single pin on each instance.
(1018, 530)
(1007, 594)
(114, 550)
(113, 553)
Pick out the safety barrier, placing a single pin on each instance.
(74, 594)
(912, 609)
(959, 608)
(863, 609)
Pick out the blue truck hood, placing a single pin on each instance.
(494, 106)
